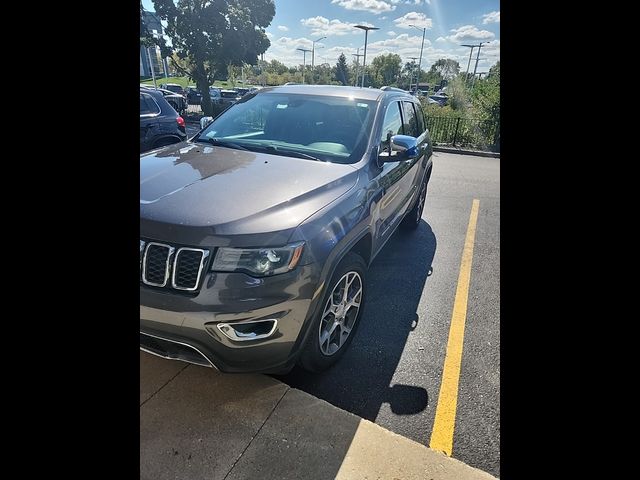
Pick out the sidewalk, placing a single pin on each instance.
(197, 423)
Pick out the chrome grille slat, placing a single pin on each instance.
(185, 274)
(151, 270)
(160, 262)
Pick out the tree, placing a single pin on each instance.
(386, 69)
(342, 71)
(215, 34)
(495, 71)
(445, 68)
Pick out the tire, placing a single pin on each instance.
(318, 355)
(411, 221)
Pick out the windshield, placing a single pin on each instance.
(229, 94)
(327, 128)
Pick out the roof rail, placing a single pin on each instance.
(386, 88)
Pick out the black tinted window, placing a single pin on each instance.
(392, 124)
(420, 112)
(410, 120)
(147, 105)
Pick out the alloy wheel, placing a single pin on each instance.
(340, 313)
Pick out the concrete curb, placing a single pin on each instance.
(269, 431)
(461, 151)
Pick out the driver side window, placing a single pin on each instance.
(392, 124)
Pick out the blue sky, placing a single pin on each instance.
(449, 23)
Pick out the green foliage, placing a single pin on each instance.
(458, 93)
(214, 34)
(342, 70)
(385, 69)
(485, 95)
(444, 68)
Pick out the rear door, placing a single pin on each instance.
(411, 169)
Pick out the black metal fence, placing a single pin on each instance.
(465, 132)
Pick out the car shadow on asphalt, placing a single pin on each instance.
(362, 380)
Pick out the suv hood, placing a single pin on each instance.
(231, 192)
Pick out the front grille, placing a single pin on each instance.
(157, 258)
(186, 272)
(161, 262)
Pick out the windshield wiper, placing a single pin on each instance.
(221, 143)
(289, 153)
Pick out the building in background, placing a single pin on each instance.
(160, 66)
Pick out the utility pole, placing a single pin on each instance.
(424, 31)
(364, 60)
(357, 55)
(304, 60)
(478, 58)
(469, 63)
(313, 55)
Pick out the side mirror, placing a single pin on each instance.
(403, 147)
(204, 121)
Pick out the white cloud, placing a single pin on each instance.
(324, 26)
(404, 45)
(395, 2)
(373, 6)
(283, 28)
(413, 18)
(284, 50)
(392, 33)
(441, 39)
(469, 33)
(491, 17)
(383, 18)
(269, 34)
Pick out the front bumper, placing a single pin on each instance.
(190, 323)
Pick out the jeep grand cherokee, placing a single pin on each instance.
(256, 234)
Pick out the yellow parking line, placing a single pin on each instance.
(442, 433)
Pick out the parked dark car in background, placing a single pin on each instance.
(257, 233)
(160, 124)
(228, 97)
(194, 97)
(174, 87)
(440, 97)
(177, 101)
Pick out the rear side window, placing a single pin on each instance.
(410, 120)
(148, 105)
(420, 113)
(392, 124)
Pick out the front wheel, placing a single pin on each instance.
(335, 324)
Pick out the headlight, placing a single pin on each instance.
(260, 262)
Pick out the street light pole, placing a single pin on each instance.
(304, 60)
(424, 31)
(313, 55)
(153, 72)
(357, 55)
(411, 75)
(364, 59)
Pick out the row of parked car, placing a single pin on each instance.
(219, 96)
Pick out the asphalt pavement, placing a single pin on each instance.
(392, 373)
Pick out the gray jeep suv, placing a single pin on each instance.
(256, 234)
